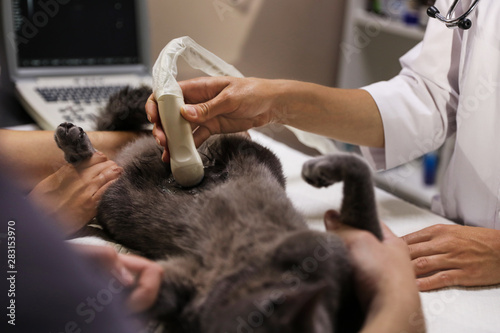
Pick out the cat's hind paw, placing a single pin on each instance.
(74, 142)
(322, 171)
(329, 169)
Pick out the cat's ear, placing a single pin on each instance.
(278, 310)
(304, 310)
(312, 255)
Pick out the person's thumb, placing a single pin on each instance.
(332, 220)
(197, 113)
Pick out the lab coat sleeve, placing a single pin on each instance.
(418, 106)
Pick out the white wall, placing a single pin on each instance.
(295, 39)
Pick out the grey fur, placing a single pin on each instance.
(238, 256)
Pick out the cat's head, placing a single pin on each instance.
(300, 285)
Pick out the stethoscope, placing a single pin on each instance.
(461, 22)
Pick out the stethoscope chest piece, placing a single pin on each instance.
(461, 21)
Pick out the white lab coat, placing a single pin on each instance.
(450, 83)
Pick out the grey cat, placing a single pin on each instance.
(238, 256)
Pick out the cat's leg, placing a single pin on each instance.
(74, 142)
(358, 205)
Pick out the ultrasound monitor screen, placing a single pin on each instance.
(52, 33)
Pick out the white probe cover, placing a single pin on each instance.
(185, 161)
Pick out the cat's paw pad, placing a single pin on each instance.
(74, 142)
(329, 169)
(322, 171)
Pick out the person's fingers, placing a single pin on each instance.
(425, 234)
(202, 89)
(159, 135)
(165, 157)
(245, 134)
(214, 102)
(94, 174)
(386, 232)
(332, 220)
(107, 258)
(65, 174)
(108, 174)
(417, 237)
(350, 235)
(96, 158)
(333, 223)
(440, 280)
(101, 182)
(100, 191)
(152, 110)
(430, 264)
(158, 132)
(94, 166)
(346, 232)
(95, 187)
(201, 113)
(424, 249)
(104, 255)
(94, 163)
(200, 135)
(148, 281)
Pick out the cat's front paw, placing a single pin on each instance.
(74, 142)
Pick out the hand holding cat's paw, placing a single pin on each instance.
(71, 194)
(379, 285)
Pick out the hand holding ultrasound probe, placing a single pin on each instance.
(185, 162)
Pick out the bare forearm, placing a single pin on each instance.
(34, 155)
(348, 115)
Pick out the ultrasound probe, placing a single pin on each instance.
(185, 161)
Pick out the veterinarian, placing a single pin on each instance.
(449, 86)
